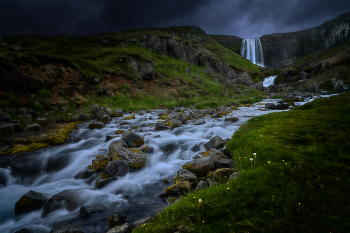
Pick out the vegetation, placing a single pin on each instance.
(295, 183)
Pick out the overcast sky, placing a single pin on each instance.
(244, 18)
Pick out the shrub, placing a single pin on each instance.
(126, 87)
(44, 93)
(37, 106)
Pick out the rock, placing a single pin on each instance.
(147, 149)
(41, 121)
(201, 185)
(7, 128)
(134, 157)
(22, 111)
(69, 199)
(282, 106)
(96, 125)
(89, 171)
(181, 188)
(116, 220)
(200, 167)
(34, 114)
(26, 117)
(198, 122)
(116, 168)
(132, 139)
(230, 118)
(185, 175)
(18, 128)
(224, 163)
(141, 222)
(87, 211)
(195, 148)
(70, 230)
(195, 113)
(324, 92)
(233, 175)
(270, 106)
(109, 137)
(100, 113)
(6, 118)
(160, 126)
(94, 108)
(30, 201)
(101, 182)
(174, 123)
(118, 113)
(125, 228)
(215, 142)
(183, 117)
(105, 118)
(64, 109)
(207, 111)
(146, 71)
(82, 117)
(215, 155)
(100, 163)
(222, 175)
(32, 127)
(108, 111)
(211, 182)
(24, 230)
(129, 117)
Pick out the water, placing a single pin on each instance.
(252, 50)
(53, 170)
(268, 81)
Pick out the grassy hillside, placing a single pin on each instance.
(297, 181)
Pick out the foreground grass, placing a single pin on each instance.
(297, 182)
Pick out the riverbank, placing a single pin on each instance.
(295, 182)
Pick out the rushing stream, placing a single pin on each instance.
(55, 169)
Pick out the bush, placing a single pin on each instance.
(126, 87)
(45, 93)
(37, 106)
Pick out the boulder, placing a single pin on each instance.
(81, 117)
(69, 199)
(100, 163)
(215, 142)
(134, 157)
(22, 111)
(119, 131)
(89, 171)
(108, 111)
(105, 118)
(201, 185)
(225, 163)
(200, 167)
(132, 139)
(116, 168)
(100, 113)
(118, 113)
(230, 118)
(129, 117)
(195, 113)
(116, 220)
(87, 211)
(6, 118)
(96, 125)
(174, 123)
(215, 155)
(30, 201)
(124, 228)
(7, 128)
(207, 111)
(94, 108)
(147, 149)
(26, 117)
(141, 222)
(185, 175)
(198, 122)
(181, 188)
(101, 182)
(270, 106)
(160, 126)
(222, 175)
(32, 127)
(41, 121)
(183, 117)
(282, 106)
(146, 71)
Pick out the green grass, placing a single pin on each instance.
(298, 182)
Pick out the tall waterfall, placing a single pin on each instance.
(252, 50)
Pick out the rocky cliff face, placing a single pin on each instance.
(282, 49)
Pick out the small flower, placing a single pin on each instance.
(251, 159)
(268, 162)
(228, 188)
(200, 200)
(254, 153)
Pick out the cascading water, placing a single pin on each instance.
(56, 169)
(269, 81)
(252, 50)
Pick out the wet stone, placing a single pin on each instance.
(87, 211)
(30, 201)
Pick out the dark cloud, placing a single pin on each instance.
(244, 18)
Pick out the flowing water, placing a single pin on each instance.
(268, 81)
(55, 169)
(252, 50)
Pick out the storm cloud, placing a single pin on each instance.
(244, 18)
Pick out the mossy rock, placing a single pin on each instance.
(222, 175)
(129, 117)
(182, 188)
(99, 164)
(96, 125)
(205, 154)
(119, 131)
(137, 151)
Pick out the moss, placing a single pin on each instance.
(137, 151)
(205, 154)
(139, 142)
(89, 167)
(20, 148)
(172, 200)
(119, 131)
(187, 166)
(135, 127)
(100, 164)
(129, 117)
(105, 176)
(94, 125)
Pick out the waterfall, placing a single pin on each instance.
(269, 81)
(252, 50)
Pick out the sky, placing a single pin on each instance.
(243, 18)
